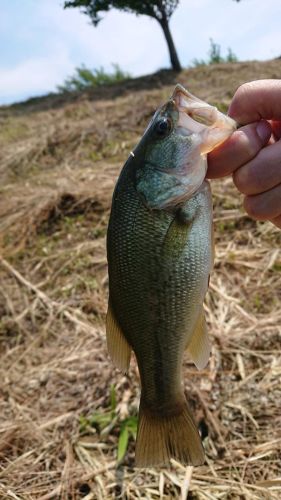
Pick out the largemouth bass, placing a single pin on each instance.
(159, 246)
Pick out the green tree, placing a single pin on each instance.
(160, 10)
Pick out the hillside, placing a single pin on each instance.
(59, 160)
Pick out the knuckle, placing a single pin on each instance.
(249, 142)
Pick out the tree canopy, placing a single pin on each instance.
(160, 10)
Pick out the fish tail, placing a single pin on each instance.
(161, 437)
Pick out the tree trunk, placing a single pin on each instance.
(170, 42)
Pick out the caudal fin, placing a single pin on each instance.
(160, 438)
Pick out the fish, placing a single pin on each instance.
(160, 256)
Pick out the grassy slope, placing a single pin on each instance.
(59, 158)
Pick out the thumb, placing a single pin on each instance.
(255, 100)
(241, 147)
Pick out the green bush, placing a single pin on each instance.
(85, 78)
(231, 57)
(215, 56)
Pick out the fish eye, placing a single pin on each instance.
(163, 127)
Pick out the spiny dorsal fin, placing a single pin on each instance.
(118, 347)
(199, 347)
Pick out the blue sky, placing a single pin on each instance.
(41, 43)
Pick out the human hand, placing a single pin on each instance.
(253, 153)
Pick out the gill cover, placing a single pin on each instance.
(174, 149)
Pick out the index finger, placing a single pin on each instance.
(256, 100)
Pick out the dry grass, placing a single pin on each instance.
(59, 161)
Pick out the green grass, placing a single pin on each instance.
(109, 421)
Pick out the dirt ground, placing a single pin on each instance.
(62, 403)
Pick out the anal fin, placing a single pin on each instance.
(117, 345)
(199, 347)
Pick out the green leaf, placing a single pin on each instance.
(132, 424)
(100, 419)
(122, 443)
(84, 422)
(112, 398)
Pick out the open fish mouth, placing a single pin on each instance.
(175, 168)
(196, 116)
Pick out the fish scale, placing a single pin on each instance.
(155, 296)
(159, 246)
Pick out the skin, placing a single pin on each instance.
(253, 153)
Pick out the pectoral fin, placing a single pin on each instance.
(118, 347)
(177, 236)
(199, 347)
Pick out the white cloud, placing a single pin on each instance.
(37, 75)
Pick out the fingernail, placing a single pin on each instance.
(263, 130)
